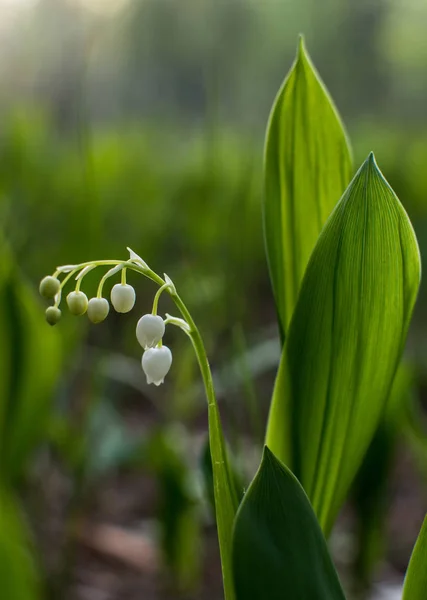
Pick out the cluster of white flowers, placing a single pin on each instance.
(150, 329)
(157, 359)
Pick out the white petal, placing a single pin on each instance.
(150, 330)
(123, 297)
(156, 363)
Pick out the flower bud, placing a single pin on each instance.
(77, 303)
(123, 297)
(97, 309)
(53, 315)
(156, 363)
(49, 286)
(150, 330)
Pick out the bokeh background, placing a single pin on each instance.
(140, 123)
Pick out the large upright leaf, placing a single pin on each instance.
(278, 547)
(370, 490)
(307, 168)
(345, 340)
(415, 587)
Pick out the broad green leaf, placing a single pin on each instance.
(415, 587)
(307, 167)
(345, 340)
(415, 432)
(278, 547)
(370, 490)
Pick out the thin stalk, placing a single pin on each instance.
(226, 499)
(225, 492)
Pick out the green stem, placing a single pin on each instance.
(159, 292)
(226, 500)
(225, 493)
(104, 278)
(63, 282)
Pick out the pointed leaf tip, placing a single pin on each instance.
(371, 162)
(345, 340)
(304, 137)
(268, 455)
(416, 575)
(278, 547)
(367, 164)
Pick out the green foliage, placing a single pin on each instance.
(29, 370)
(18, 574)
(307, 168)
(414, 429)
(226, 498)
(60, 194)
(177, 509)
(345, 340)
(370, 491)
(416, 576)
(207, 473)
(279, 550)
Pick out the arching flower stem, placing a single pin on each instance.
(226, 500)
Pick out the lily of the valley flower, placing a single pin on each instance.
(49, 286)
(53, 315)
(123, 297)
(156, 363)
(98, 309)
(77, 303)
(150, 330)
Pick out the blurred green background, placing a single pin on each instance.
(140, 123)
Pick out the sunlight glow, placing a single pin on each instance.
(96, 6)
(102, 6)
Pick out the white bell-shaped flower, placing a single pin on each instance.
(77, 303)
(98, 309)
(123, 297)
(156, 363)
(150, 330)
